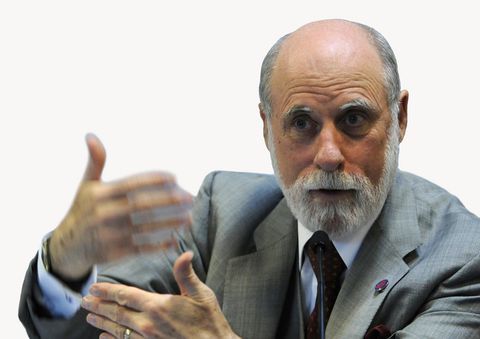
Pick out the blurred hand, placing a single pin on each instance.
(193, 314)
(108, 221)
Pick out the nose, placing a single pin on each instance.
(329, 156)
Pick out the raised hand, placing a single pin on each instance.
(193, 314)
(111, 220)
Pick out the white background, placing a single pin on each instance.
(173, 85)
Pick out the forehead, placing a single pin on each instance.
(328, 62)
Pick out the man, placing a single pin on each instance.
(333, 117)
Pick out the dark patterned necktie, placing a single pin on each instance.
(333, 267)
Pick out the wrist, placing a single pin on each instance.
(60, 265)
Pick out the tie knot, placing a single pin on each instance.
(320, 241)
(320, 246)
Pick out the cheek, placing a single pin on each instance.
(292, 161)
(367, 159)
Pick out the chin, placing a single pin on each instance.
(336, 225)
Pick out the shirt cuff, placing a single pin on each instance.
(58, 298)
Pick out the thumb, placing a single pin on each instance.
(189, 283)
(96, 158)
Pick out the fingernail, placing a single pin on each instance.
(95, 291)
(91, 319)
(86, 302)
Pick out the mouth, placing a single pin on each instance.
(331, 194)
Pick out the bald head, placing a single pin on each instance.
(325, 45)
(332, 111)
(331, 46)
(327, 36)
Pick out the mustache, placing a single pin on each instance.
(320, 179)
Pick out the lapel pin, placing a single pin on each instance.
(381, 285)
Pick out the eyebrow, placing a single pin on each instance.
(295, 110)
(356, 104)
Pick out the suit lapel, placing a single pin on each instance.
(381, 256)
(256, 285)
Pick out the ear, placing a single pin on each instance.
(403, 113)
(265, 122)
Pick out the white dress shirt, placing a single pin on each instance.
(347, 248)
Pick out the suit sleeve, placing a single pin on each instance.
(37, 320)
(453, 310)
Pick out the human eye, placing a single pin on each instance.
(299, 123)
(354, 119)
(302, 123)
(355, 123)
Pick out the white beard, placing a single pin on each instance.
(342, 218)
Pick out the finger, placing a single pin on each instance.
(143, 181)
(113, 253)
(108, 309)
(130, 297)
(126, 248)
(121, 239)
(112, 329)
(183, 220)
(148, 221)
(144, 208)
(153, 233)
(167, 215)
(185, 276)
(96, 158)
(106, 335)
(123, 226)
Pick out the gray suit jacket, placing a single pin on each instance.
(245, 241)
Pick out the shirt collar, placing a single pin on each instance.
(347, 247)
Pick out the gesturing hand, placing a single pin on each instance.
(193, 314)
(110, 220)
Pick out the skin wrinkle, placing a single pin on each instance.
(375, 134)
(343, 78)
(330, 79)
(319, 92)
(333, 227)
(331, 104)
(330, 34)
(373, 113)
(359, 102)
